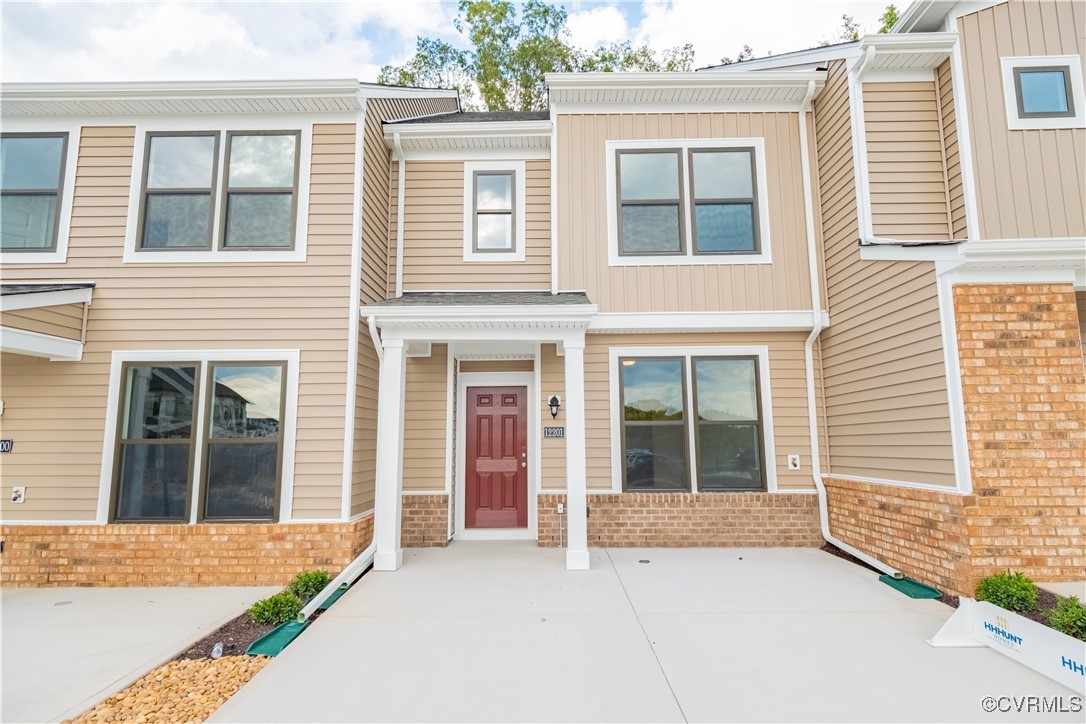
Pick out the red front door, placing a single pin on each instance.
(496, 464)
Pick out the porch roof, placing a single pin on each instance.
(467, 299)
(42, 319)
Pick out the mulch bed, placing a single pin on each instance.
(236, 635)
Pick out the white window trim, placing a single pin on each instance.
(761, 352)
(1010, 97)
(285, 122)
(64, 226)
(497, 379)
(291, 357)
(689, 258)
(518, 170)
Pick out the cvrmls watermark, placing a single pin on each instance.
(1032, 704)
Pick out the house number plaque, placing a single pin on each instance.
(6, 445)
(554, 432)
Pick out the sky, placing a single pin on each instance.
(134, 41)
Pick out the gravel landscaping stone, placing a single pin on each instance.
(184, 690)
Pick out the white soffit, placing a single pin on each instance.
(776, 87)
(487, 135)
(179, 98)
(914, 51)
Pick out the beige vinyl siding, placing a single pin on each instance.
(955, 187)
(787, 385)
(434, 232)
(582, 219)
(497, 365)
(1028, 183)
(552, 375)
(61, 320)
(905, 161)
(884, 377)
(374, 233)
(55, 410)
(425, 420)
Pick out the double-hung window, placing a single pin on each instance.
(203, 434)
(494, 209)
(1043, 92)
(687, 202)
(31, 183)
(707, 409)
(182, 210)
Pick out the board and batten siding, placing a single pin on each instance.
(55, 410)
(905, 161)
(582, 218)
(61, 320)
(954, 180)
(374, 238)
(1031, 183)
(886, 402)
(788, 388)
(434, 232)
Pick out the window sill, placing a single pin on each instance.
(238, 256)
(33, 257)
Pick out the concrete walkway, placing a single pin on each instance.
(66, 649)
(501, 632)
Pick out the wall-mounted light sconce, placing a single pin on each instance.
(555, 403)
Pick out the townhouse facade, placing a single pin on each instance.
(830, 295)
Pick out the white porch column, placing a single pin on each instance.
(388, 556)
(576, 495)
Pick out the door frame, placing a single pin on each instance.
(498, 379)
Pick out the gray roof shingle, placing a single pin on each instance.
(481, 299)
(13, 289)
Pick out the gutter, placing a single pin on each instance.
(400, 191)
(808, 347)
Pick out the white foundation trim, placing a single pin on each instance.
(896, 483)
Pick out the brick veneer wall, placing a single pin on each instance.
(919, 532)
(1025, 417)
(425, 521)
(176, 555)
(690, 519)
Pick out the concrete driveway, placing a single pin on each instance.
(66, 649)
(501, 632)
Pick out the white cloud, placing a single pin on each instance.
(598, 26)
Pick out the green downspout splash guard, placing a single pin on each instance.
(273, 642)
(911, 588)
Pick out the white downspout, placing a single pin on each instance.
(356, 567)
(400, 190)
(808, 346)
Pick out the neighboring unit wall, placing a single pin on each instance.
(375, 265)
(582, 219)
(55, 410)
(63, 320)
(905, 161)
(955, 187)
(1030, 183)
(885, 381)
(425, 420)
(434, 232)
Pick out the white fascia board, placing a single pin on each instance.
(842, 51)
(515, 315)
(692, 79)
(35, 300)
(178, 89)
(57, 349)
(909, 43)
(783, 321)
(369, 90)
(456, 131)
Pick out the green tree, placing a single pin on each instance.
(509, 53)
(889, 18)
(745, 54)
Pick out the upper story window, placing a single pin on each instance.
(1043, 92)
(31, 184)
(494, 202)
(687, 202)
(218, 195)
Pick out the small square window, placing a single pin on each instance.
(1044, 92)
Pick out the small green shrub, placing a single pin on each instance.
(1012, 591)
(1069, 616)
(309, 583)
(277, 609)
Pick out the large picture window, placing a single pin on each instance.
(161, 436)
(31, 179)
(707, 409)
